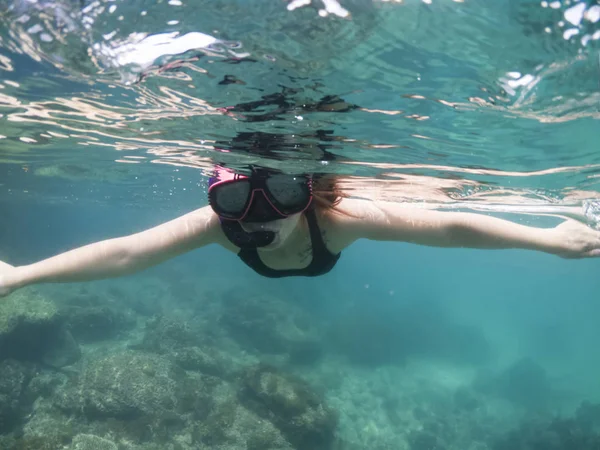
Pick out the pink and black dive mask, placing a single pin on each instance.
(263, 196)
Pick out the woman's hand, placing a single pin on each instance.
(5, 288)
(573, 239)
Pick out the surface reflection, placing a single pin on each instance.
(444, 101)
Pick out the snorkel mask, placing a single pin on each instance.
(264, 196)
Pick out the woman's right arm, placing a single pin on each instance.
(119, 256)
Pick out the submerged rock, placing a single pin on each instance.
(91, 442)
(93, 323)
(145, 398)
(581, 432)
(27, 325)
(7, 441)
(132, 396)
(390, 332)
(44, 383)
(165, 334)
(269, 325)
(291, 404)
(126, 385)
(46, 430)
(205, 360)
(32, 330)
(14, 378)
(524, 383)
(231, 425)
(62, 349)
(424, 440)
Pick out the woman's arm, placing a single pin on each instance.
(394, 222)
(119, 256)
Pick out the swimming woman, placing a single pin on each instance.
(282, 225)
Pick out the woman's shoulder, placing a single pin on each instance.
(213, 227)
(347, 211)
(340, 223)
(204, 221)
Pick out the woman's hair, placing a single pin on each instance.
(326, 191)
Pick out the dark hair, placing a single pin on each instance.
(326, 191)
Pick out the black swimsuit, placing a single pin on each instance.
(322, 259)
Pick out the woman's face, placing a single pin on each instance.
(283, 229)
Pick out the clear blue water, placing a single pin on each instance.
(474, 105)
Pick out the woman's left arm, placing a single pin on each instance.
(387, 221)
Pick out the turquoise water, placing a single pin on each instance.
(110, 124)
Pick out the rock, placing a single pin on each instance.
(269, 325)
(391, 332)
(165, 334)
(588, 416)
(205, 360)
(91, 442)
(423, 440)
(46, 429)
(7, 442)
(29, 326)
(32, 330)
(467, 400)
(93, 323)
(126, 385)
(141, 397)
(291, 405)
(553, 433)
(63, 351)
(524, 383)
(230, 425)
(44, 383)
(14, 377)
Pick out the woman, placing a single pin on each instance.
(283, 225)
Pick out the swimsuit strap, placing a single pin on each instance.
(322, 259)
(316, 238)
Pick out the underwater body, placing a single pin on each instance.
(112, 117)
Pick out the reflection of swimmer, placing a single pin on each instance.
(283, 225)
(316, 145)
(277, 106)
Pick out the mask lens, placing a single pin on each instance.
(290, 194)
(232, 198)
